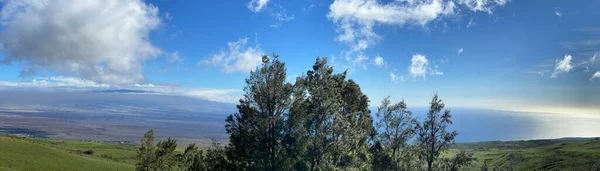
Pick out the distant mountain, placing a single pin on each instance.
(122, 91)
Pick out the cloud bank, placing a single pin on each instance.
(102, 41)
(61, 83)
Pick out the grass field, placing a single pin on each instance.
(26, 153)
(535, 155)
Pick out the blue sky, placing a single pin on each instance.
(541, 56)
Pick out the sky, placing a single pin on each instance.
(538, 56)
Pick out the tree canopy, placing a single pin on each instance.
(320, 122)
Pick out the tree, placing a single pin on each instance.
(192, 159)
(165, 155)
(329, 122)
(146, 152)
(257, 129)
(433, 137)
(157, 158)
(216, 158)
(397, 126)
(461, 159)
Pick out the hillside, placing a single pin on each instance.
(560, 154)
(24, 153)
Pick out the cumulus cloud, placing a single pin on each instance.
(562, 66)
(103, 41)
(257, 5)
(460, 51)
(238, 58)
(418, 66)
(174, 58)
(421, 67)
(356, 19)
(596, 75)
(379, 61)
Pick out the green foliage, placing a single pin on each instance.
(192, 158)
(257, 129)
(146, 155)
(165, 156)
(391, 148)
(461, 159)
(433, 138)
(216, 158)
(329, 122)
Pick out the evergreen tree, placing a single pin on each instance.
(257, 129)
(397, 127)
(146, 152)
(216, 158)
(329, 122)
(433, 138)
(165, 155)
(192, 159)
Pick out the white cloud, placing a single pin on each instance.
(395, 78)
(482, 5)
(281, 16)
(471, 23)
(460, 51)
(104, 41)
(168, 16)
(358, 61)
(257, 5)
(54, 82)
(77, 84)
(559, 14)
(379, 61)
(435, 71)
(356, 18)
(562, 66)
(174, 58)
(418, 66)
(238, 58)
(596, 75)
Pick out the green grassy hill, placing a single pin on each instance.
(535, 155)
(24, 153)
(21, 153)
